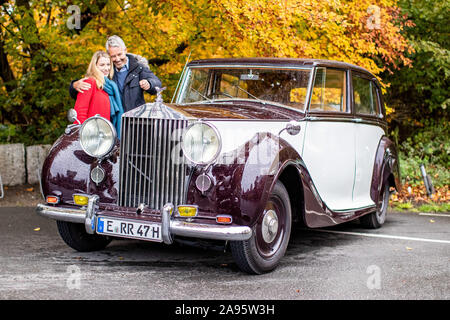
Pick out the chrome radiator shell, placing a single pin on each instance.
(152, 167)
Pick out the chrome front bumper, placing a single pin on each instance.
(169, 225)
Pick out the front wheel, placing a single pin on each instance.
(376, 219)
(264, 250)
(76, 237)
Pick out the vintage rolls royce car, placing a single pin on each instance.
(248, 147)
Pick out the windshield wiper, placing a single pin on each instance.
(245, 91)
(204, 97)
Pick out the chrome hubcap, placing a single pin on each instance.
(269, 226)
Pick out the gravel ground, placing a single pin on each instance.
(21, 196)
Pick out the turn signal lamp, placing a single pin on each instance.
(52, 199)
(224, 219)
(80, 199)
(187, 211)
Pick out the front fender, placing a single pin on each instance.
(243, 179)
(66, 171)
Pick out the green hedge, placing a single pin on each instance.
(429, 146)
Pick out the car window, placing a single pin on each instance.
(230, 84)
(376, 97)
(288, 87)
(198, 82)
(329, 91)
(283, 86)
(365, 96)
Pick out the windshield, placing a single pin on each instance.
(282, 86)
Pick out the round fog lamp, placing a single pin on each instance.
(203, 182)
(97, 175)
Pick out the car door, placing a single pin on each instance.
(329, 140)
(368, 132)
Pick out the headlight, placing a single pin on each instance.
(201, 143)
(97, 136)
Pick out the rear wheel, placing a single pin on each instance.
(376, 219)
(264, 250)
(76, 237)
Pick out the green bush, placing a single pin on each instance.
(429, 146)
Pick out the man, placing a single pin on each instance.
(132, 75)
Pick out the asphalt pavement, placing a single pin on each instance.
(408, 258)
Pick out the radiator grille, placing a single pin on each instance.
(152, 170)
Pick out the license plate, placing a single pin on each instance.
(129, 229)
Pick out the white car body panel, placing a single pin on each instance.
(367, 138)
(234, 134)
(338, 155)
(329, 155)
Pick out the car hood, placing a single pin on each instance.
(237, 110)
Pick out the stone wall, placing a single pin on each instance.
(20, 165)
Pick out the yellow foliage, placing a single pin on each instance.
(354, 31)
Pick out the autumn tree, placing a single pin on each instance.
(40, 54)
(36, 66)
(421, 93)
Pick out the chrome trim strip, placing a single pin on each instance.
(147, 153)
(248, 66)
(312, 78)
(176, 199)
(163, 170)
(142, 154)
(169, 173)
(158, 165)
(2, 194)
(153, 165)
(353, 210)
(345, 119)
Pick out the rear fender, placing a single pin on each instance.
(386, 169)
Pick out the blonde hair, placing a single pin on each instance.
(94, 72)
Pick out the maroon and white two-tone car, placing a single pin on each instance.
(248, 148)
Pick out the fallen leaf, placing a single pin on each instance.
(30, 189)
(37, 229)
(431, 220)
(408, 248)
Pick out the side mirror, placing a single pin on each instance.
(72, 116)
(293, 128)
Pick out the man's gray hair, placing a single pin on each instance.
(115, 41)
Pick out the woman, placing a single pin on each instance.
(103, 97)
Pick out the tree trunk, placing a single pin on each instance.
(5, 69)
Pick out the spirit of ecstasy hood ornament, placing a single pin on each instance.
(158, 106)
(157, 109)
